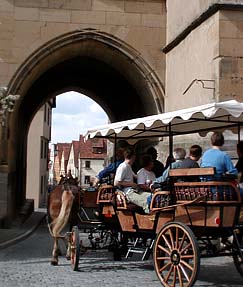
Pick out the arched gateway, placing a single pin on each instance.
(95, 63)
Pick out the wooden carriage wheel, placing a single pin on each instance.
(75, 248)
(238, 257)
(176, 255)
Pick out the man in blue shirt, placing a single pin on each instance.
(214, 157)
(110, 170)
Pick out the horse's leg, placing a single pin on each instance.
(68, 245)
(54, 259)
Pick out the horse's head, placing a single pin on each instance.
(69, 181)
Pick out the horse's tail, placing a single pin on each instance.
(60, 222)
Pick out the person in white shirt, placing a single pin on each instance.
(145, 176)
(124, 179)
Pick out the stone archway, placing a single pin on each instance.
(89, 61)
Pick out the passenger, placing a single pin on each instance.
(110, 170)
(194, 156)
(169, 161)
(145, 176)
(179, 155)
(158, 168)
(239, 164)
(214, 157)
(124, 179)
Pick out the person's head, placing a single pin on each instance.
(120, 154)
(217, 139)
(196, 152)
(129, 154)
(122, 144)
(179, 153)
(147, 161)
(240, 148)
(153, 152)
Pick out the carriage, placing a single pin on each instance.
(190, 216)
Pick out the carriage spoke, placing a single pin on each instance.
(174, 276)
(187, 265)
(185, 248)
(168, 274)
(187, 256)
(163, 258)
(166, 241)
(171, 239)
(164, 267)
(177, 237)
(184, 273)
(164, 249)
(179, 276)
(182, 241)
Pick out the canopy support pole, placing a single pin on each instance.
(170, 143)
(115, 149)
(238, 132)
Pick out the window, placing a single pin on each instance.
(48, 116)
(86, 179)
(46, 149)
(42, 184)
(98, 150)
(87, 164)
(42, 149)
(45, 113)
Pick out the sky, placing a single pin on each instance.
(74, 115)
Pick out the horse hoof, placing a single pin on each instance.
(54, 263)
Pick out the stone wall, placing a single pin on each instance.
(231, 55)
(26, 25)
(3, 193)
(204, 60)
(191, 11)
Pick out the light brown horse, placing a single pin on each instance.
(62, 206)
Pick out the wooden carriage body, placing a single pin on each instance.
(192, 199)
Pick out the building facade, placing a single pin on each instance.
(37, 157)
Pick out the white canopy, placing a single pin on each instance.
(214, 116)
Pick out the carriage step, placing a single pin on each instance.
(146, 250)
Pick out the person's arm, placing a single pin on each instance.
(229, 166)
(111, 168)
(125, 183)
(163, 177)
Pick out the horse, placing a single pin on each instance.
(63, 204)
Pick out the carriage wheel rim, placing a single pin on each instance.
(74, 242)
(176, 255)
(73, 248)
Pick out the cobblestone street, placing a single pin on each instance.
(28, 264)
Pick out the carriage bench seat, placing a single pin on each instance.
(123, 204)
(193, 183)
(220, 199)
(106, 194)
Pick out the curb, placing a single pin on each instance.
(23, 235)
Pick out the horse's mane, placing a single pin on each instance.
(68, 181)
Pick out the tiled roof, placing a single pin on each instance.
(63, 148)
(88, 149)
